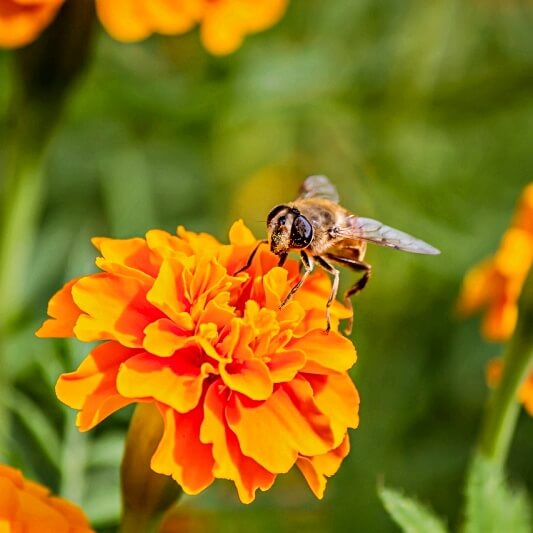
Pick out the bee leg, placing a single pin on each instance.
(308, 265)
(251, 258)
(333, 294)
(356, 266)
(282, 259)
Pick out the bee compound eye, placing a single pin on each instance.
(276, 211)
(301, 232)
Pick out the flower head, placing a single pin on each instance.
(224, 23)
(28, 506)
(21, 21)
(246, 390)
(496, 283)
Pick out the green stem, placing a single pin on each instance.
(146, 495)
(503, 408)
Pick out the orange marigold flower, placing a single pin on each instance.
(224, 23)
(21, 21)
(246, 390)
(29, 507)
(496, 283)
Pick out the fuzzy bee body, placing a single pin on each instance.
(325, 233)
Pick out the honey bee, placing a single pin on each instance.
(325, 233)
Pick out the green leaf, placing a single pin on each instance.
(491, 505)
(410, 515)
(34, 418)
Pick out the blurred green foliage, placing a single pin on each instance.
(420, 112)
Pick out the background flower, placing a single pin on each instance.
(246, 390)
(21, 21)
(224, 23)
(495, 285)
(29, 507)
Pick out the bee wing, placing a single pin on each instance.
(318, 187)
(376, 232)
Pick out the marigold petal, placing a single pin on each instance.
(168, 16)
(230, 463)
(217, 311)
(116, 309)
(14, 475)
(209, 278)
(250, 377)
(91, 388)
(175, 381)
(180, 452)
(514, 257)
(133, 253)
(500, 320)
(8, 502)
(284, 365)
(163, 337)
(316, 469)
(291, 315)
(257, 16)
(22, 22)
(336, 396)
(478, 286)
(199, 244)
(169, 292)
(325, 352)
(72, 513)
(240, 234)
(32, 510)
(225, 24)
(162, 244)
(236, 343)
(275, 287)
(124, 20)
(276, 431)
(64, 313)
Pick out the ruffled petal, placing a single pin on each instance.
(133, 253)
(284, 365)
(116, 309)
(180, 452)
(325, 352)
(230, 463)
(64, 313)
(336, 396)
(176, 382)
(250, 377)
(276, 431)
(170, 294)
(317, 469)
(163, 337)
(240, 235)
(91, 388)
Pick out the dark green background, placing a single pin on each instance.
(421, 113)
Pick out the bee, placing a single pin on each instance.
(326, 234)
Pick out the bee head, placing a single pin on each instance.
(288, 230)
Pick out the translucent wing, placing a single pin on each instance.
(378, 233)
(318, 187)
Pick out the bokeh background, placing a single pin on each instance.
(420, 112)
